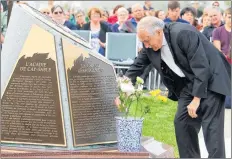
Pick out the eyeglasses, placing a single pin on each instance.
(60, 12)
(95, 15)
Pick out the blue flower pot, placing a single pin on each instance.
(129, 132)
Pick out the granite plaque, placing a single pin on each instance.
(45, 103)
(92, 89)
(31, 111)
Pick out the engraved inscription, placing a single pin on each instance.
(92, 88)
(31, 110)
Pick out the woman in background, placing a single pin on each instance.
(113, 19)
(98, 30)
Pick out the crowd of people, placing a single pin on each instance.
(212, 21)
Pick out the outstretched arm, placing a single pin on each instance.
(139, 65)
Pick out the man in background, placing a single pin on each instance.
(130, 26)
(216, 4)
(215, 15)
(147, 7)
(221, 36)
(174, 13)
(196, 5)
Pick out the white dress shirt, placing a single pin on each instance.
(167, 57)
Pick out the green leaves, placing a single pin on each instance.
(129, 94)
(147, 110)
(139, 81)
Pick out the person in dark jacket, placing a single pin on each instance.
(130, 25)
(98, 30)
(174, 13)
(196, 74)
(58, 16)
(80, 18)
(216, 22)
(188, 14)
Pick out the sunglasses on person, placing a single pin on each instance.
(60, 12)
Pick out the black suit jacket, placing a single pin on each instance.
(203, 65)
(102, 35)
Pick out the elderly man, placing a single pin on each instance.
(130, 26)
(195, 73)
(215, 15)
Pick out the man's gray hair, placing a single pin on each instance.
(150, 24)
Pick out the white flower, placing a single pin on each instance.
(127, 88)
(140, 87)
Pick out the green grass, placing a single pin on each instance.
(159, 123)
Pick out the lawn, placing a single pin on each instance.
(159, 122)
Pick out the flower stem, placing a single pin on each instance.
(128, 108)
(137, 101)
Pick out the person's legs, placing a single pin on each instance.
(213, 110)
(187, 128)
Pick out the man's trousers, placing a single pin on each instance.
(210, 117)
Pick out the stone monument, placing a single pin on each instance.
(56, 92)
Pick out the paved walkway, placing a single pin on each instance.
(204, 153)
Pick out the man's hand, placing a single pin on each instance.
(192, 107)
(117, 102)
